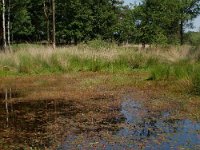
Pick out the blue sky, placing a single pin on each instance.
(196, 21)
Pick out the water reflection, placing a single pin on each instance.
(33, 124)
(142, 131)
(159, 132)
(39, 124)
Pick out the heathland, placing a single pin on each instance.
(53, 93)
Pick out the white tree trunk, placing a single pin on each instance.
(4, 24)
(54, 25)
(8, 23)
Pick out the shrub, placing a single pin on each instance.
(99, 44)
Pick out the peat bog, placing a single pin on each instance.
(88, 113)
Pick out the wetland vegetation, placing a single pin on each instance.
(99, 74)
(79, 97)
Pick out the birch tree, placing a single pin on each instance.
(54, 25)
(4, 24)
(8, 24)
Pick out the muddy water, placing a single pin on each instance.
(159, 131)
(33, 124)
(142, 130)
(41, 124)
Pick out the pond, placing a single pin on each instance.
(142, 130)
(54, 125)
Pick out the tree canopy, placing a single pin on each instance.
(152, 21)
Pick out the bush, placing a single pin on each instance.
(99, 44)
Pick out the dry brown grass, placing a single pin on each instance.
(171, 53)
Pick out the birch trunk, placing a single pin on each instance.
(4, 25)
(8, 24)
(54, 26)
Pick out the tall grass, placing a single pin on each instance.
(196, 81)
(162, 63)
(39, 60)
(44, 60)
(160, 72)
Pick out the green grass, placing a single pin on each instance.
(195, 77)
(99, 56)
(160, 72)
(178, 71)
(97, 64)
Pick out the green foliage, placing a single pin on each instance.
(79, 20)
(163, 21)
(21, 20)
(158, 22)
(193, 38)
(125, 30)
(99, 44)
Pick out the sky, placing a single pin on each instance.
(195, 21)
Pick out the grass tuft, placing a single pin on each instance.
(160, 72)
(196, 81)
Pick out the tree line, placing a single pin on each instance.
(75, 21)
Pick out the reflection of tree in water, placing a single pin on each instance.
(151, 130)
(39, 123)
(30, 122)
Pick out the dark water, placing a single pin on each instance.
(37, 124)
(158, 132)
(143, 130)
(33, 124)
